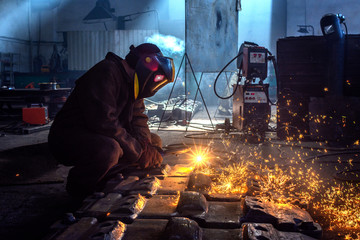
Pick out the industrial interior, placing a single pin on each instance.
(260, 127)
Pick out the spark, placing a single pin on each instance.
(285, 185)
(200, 156)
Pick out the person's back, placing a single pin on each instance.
(102, 126)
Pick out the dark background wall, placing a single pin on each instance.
(261, 21)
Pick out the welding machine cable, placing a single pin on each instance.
(221, 71)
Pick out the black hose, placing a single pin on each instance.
(217, 77)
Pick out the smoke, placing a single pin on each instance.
(172, 47)
(169, 45)
(14, 15)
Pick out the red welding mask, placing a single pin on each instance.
(152, 70)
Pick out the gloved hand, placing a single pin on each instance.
(150, 156)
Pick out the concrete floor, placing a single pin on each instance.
(32, 186)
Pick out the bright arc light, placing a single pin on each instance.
(199, 156)
(199, 159)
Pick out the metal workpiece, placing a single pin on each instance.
(199, 182)
(146, 229)
(203, 183)
(253, 187)
(160, 207)
(223, 197)
(176, 228)
(173, 185)
(133, 185)
(181, 170)
(90, 228)
(284, 217)
(225, 215)
(183, 228)
(255, 231)
(114, 207)
(192, 204)
(98, 206)
(178, 158)
(221, 234)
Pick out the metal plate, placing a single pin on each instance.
(255, 231)
(284, 217)
(173, 185)
(160, 207)
(145, 229)
(114, 207)
(133, 185)
(90, 228)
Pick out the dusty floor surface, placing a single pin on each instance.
(32, 184)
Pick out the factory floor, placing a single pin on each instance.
(32, 184)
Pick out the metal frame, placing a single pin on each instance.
(197, 91)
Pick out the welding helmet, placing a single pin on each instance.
(152, 70)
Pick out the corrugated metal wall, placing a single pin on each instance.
(86, 48)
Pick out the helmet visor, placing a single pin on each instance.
(165, 73)
(152, 73)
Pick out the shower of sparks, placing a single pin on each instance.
(341, 205)
(232, 179)
(297, 182)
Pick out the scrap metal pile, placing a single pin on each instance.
(174, 110)
(201, 193)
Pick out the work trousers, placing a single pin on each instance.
(93, 157)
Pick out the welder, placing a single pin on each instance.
(102, 128)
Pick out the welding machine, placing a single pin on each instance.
(251, 109)
(252, 61)
(35, 115)
(251, 103)
(251, 106)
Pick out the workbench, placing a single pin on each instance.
(15, 99)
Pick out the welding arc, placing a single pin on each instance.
(217, 78)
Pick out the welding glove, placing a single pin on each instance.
(150, 157)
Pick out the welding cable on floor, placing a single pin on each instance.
(177, 148)
(200, 126)
(203, 136)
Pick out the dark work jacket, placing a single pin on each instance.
(103, 102)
